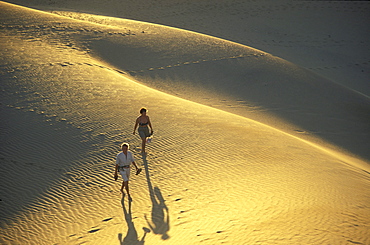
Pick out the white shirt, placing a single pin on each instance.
(123, 160)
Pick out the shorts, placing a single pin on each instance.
(143, 132)
(125, 173)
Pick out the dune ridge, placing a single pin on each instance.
(226, 75)
(210, 176)
(277, 27)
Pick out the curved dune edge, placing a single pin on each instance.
(273, 26)
(238, 79)
(151, 61)
(232, 51)
(199, 185)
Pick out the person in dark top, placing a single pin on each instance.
(143, 121)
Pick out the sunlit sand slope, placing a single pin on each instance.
(210, 177)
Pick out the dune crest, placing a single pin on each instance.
(237, 79)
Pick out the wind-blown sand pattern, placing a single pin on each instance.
(248, 148)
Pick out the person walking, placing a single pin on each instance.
(143, 121)
(123, 162)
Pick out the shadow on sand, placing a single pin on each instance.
(160, 223)
(131, 236)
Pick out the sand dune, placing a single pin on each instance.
(228, 76)
(327, 37)
(213, 175)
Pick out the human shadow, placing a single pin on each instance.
(131, 237)
(160, 222)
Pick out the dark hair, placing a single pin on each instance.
(142, 110)
(125, 144)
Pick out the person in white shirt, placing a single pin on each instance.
(123, 162)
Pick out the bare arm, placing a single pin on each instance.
(116, 172)
(150, 125)
(135, 165)
(136, 123)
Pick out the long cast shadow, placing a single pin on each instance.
(131, 237)
(160, 222)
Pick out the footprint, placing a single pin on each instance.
(94, 230)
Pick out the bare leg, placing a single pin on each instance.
(127, 190)
(126, 187)
(143, 142)
(123, 184)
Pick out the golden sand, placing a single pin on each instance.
(210, 176)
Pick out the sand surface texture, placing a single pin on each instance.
(249, 147)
